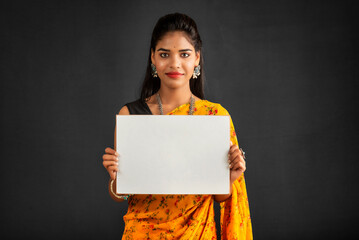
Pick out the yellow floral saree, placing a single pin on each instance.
(190, 216)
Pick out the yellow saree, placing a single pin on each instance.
(190, 216)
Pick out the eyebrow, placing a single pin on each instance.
(166, 50)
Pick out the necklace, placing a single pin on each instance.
(190, 107)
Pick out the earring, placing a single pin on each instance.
(154, 70)
(196, 71)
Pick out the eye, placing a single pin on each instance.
(185, 55)
(163, 55)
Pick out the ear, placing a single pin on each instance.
(198, 57)
(153, 57)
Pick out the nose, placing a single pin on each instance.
(175, 61)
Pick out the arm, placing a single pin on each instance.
(237, 167)
(223, 197)
(112, 192)
(235, 160)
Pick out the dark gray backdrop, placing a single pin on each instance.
(285, 70)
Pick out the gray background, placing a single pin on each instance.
(285, 70)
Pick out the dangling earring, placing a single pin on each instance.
(196, 71)
(154, 70)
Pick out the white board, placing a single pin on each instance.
(177, 154)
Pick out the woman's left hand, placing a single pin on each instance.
(236, 162)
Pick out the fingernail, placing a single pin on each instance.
(116, 153)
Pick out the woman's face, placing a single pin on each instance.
(175, 54)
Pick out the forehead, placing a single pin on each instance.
(174, 40)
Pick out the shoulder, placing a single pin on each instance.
(135, 107)
(124, 111)
(216, 108)
(134, 102)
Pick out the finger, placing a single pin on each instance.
(242, 167)
(111, 151)
(241, 162)
(233, 148)
(232, 162)
(109, 157)
(239, 166)
(113, 175)
(107, 164)
(233, 155)
(239, 155)
(111, 169)
(235, 166)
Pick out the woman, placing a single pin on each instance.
(173, 85)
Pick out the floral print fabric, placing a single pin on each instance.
(190, 216)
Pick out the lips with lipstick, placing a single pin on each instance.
(174, 74)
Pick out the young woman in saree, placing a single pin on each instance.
(173, 85)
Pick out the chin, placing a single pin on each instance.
(174, 83)
(173, 86)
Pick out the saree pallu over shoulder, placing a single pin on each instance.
(188, 216)
(235, 215)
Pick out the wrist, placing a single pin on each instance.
(224, 197)
(114, 195)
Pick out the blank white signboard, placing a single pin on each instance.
(177, 154)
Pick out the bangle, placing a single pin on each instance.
(123, 197)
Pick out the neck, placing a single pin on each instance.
(175, 97)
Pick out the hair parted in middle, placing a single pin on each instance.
(168, 23)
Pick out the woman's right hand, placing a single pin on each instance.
(110, 162)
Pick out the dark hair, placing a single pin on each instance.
(168, 23)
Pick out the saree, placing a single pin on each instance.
(190, 216)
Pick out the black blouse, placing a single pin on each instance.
(138, 107)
